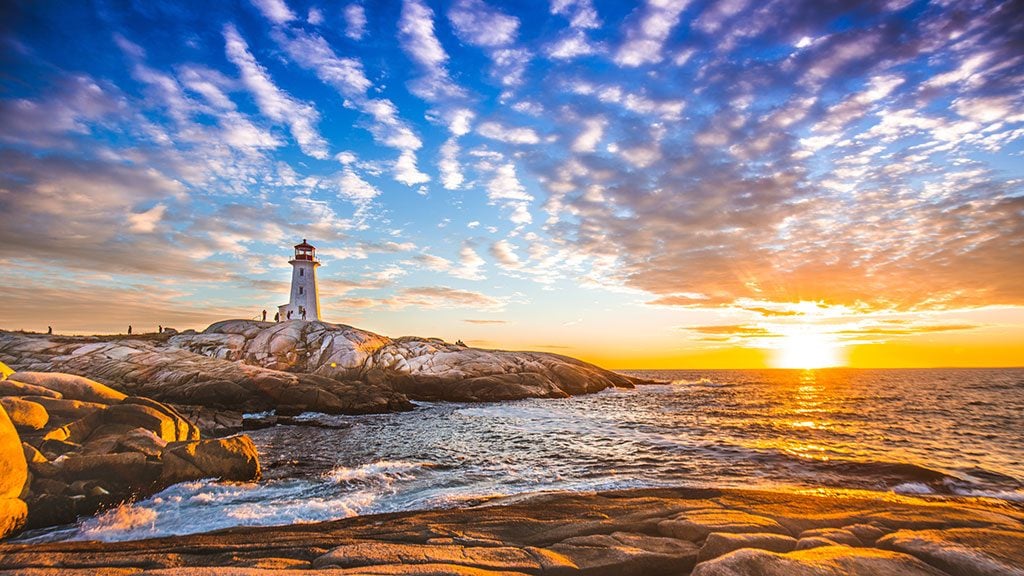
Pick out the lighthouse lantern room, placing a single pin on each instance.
(304, 300)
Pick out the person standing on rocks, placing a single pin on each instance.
(129, 329)
(160, 329)
(302, 310)
(264, 315)
(277, 317)
(49, 329)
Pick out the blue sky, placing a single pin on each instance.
(707, 175)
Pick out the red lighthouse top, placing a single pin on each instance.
(305, 251)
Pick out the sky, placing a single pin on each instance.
(649, 184)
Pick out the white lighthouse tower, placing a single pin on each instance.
(304, 296)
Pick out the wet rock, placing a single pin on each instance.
(14, 388)
(831, 560)
(233, 458)
(71, 387)
(142, 441)
(63, 411)
(386, 553)
(963, 551)
(721, 543)
(836, 535)
(13, 475)
(697, 524)
(26, 415)
(128, 469)
(624, 553)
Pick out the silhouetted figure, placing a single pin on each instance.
(159, 329)
(303, 311)
(264, 315)
(277, 317)
(460, 343)
(289, 314)
(49, 329)
(129, 329)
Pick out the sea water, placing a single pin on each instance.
(951, 432)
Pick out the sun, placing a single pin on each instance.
(808, 350)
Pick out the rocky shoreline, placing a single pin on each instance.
(97, 421)
(297, 366)
(633, 532)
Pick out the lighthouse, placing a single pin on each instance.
(303, 296)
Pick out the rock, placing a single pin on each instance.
(963, 551)
(721, 543)
(628, 554)
(26, 415)
(139, 416)
(5, 371)
(557, 533)
(172, 375)
(127, 469)
(144, 442)
(695, 525)
(830, 560)
(836, 535)
(15, 388)
(233, 458)
(386, 553)
(72, 387)
(815, 542)
(13, 475)
(65, 411)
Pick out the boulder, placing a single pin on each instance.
(826, 561)
(27, 416)
(72, 387)
(234, 458)
(963, 551)
(627, 554)
(695, 525)
(139, 416)
(721, 543)
(15, 388)
(65, 410)
(13, 475)
(142, 441)
(122, 469)
(5, 371)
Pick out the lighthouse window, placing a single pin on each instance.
(300, 289)
(301, 270)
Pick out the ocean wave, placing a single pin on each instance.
(385, 471)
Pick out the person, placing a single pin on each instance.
(289, 314)
(49, 329)
(302, 310)
(264, 315)
(277, 316)
(160, 329)
(129, 329)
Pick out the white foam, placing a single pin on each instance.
(913, 488)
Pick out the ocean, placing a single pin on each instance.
(943, 432)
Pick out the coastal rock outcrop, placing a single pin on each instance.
(611, 533)
(13, 476)
(101, 449)
(292, 367)
(117, 367)
(421, 368)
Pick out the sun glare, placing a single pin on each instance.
(807, 350)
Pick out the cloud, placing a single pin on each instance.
(355, 21)
(505, 253)
(478, 24)
(485, 322)
(505, 188)
(518, 135)
(416, 36)
(274, 103)
(274, 10)
(470, 264)
(646, 35)
(145, 222)
(590, 136)
(429, 298)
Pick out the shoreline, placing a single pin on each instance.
(636, 531)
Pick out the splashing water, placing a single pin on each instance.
(953, 432)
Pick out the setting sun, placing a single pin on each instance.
(808, 350)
